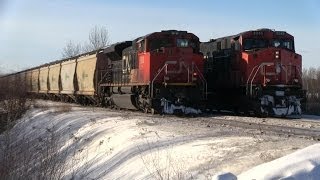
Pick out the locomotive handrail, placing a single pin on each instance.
(254, 78)
(285, 70)
(151, 88)
(247, 85)
(203, 81)
(102, 76)
(165, 66)
(255, 74)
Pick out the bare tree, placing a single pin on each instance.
(311, 83)
(98, 38)
(71, 49)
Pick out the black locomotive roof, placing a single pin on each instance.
(114, 51)
(117, 46)
(244, 32)
(170, 32)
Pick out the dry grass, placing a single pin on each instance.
(162, 165)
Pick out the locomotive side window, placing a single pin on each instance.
(225, 43)
(219, 46)
(236, 45)
(182, 43)
(141, 46)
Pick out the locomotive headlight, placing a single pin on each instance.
(195, 74)
(296, 80)
(277, 54)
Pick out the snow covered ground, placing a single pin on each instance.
(302, 164)
(97, 143)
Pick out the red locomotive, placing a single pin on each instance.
(161, 71)
(254, 70)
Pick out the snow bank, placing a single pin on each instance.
(302, 164)
(95, 143)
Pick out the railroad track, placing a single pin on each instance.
(313, 133)
(279, 129)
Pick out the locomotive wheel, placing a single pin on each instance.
(263, 113)
(152, 111)
(260, 111)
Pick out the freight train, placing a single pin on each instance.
(159, 72)
(254, 71)
(172, 72)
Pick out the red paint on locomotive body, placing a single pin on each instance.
(275, 63)
(170, 57)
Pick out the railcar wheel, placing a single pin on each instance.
(152, 111)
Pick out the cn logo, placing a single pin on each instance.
(275, 69)
(172, 65)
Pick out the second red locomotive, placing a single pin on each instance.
(254, 71)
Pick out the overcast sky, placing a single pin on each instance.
(33, 32)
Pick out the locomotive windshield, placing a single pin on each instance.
(155, 44)
(188, 43)
(251, 44)
(279, 43)
(182, 43)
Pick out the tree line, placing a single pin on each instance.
(311, 83)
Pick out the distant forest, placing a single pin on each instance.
(311, 83)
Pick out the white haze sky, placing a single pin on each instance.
(34, 32)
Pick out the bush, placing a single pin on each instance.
(13, 102)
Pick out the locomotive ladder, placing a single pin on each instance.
(204, 82)
(253, 75)
(151, 86)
